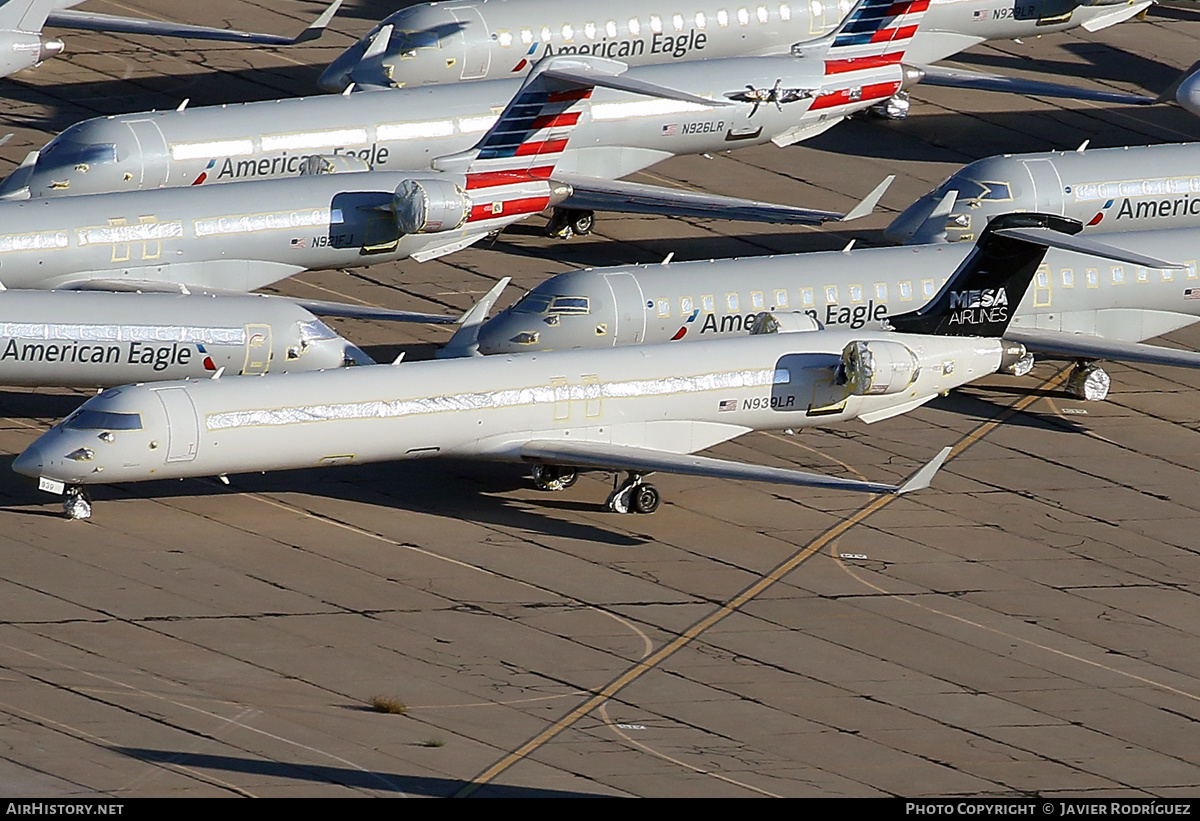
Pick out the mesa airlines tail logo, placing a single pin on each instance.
(978, 307)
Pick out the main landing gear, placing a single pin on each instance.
(1089, 381)
(77, 504)
(631, 496)
(567, 222)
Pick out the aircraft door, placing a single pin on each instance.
(183, 427)
(153, 149)
(477, 48)
(258, 350)
(1047, 185)
(629, 313)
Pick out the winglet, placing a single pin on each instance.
(318, 26)
(921, 479)
(868, 203)
(465, 341)
(944, 207)
(379, 43)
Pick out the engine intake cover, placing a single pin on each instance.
(878, 368)
(429, 206)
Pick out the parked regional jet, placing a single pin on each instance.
(1081, 306)
(89, 340)
(244, 235)
(1107, 189)
(23, 45)
(636, 409)
(452, 42)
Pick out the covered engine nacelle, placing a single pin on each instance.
(430, 205)
(23, 49)
(878, 368)
(785, 322)
(333, 164)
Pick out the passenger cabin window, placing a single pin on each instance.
(731, 301)
(656, 24)
(928, 288)
(743, 15)
(527, 36)
(756, 299)
(610, 28)
(504, 38)
(1167, 275)
(1191, 269)
(635, 26)
(1118, 275)
(685, 306)
(677, 22)
(589, 30)
(723, 18)
(708, 303)
(1143, 274)
(664, 307)
(1093, 278)
(546, 34)
(831, 295)
(701, 20)
(785, 12)
(1068, 278)
(568, 32)
(781, 299)
(856, 293)
(763, 14)
(881, 291)
(807, 299)
(906, 291)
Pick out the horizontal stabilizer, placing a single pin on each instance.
(1085, 346)
(595, 71)
(465, 341)
(961, 78)
(645, 460)
(92, 21)
(594, 194)
(323, 308)
(1086, 245)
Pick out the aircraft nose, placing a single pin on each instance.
(336, 76)
(911, 221)
(30, 461)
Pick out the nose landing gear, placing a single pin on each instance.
(77, 504)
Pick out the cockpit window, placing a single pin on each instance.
(62, 153)
(972, 190)
(406, 43)
(532, 303)
(535, 303)
(87, 419)
(570, 305)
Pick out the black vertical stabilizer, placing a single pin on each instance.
(981, 297)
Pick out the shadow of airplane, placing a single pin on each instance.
(473, 491)
(343, 776)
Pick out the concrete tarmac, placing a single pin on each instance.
(1030, 625)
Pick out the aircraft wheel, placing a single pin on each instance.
(1089, 382)
(1022, 366)
(646, 498)
(554, 477)
(582, 222)
(77, 505)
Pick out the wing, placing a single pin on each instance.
(593, 194)
(961, 78)
(91, 21)
(1084, 346)
(646, 460)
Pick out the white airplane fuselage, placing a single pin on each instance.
(407, 129)
(435, 43)
(689, 301)
(1107, 189)
(673, 399)
(95, 339)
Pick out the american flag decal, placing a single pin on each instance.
(1191, 293)
(727, 405)
(979, 15)
(670, 130)
(299, 242)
